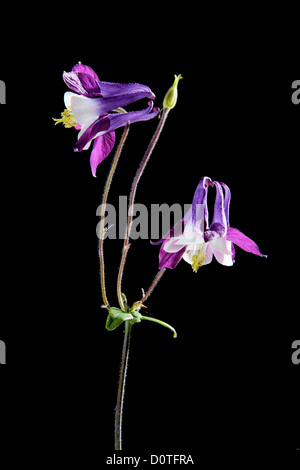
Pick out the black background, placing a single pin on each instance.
(226, 385)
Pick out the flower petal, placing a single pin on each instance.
(101, 149)
(90, 85)
(191, 235)
(111, 102)
(227, 199)
(86, 135)
(193, 250)
(169, 260)
(83, 80)
(200, 201)
(108, 123)
(82, 83)
(219, 217)
(222, 245)
(120, 119)
(85, 110)
(244, 242)
(190, 252)
(174, 245)
(225, 260)
(85, 69)
(118, 89)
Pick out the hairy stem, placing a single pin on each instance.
(132, 198)
(121, 386)
(103, 206)
(154, 284)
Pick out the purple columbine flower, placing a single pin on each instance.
(94, 108)
(194, 240)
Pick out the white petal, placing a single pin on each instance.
(85, 110)
(188, 255)
(173, 245)
(209, 255)
(221, 245)
(67, 99)
(221, 249)
(190, 236)
(192, 250)
(226, 260)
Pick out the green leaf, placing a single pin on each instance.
(116, 317)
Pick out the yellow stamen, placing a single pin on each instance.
(67, 119)
(198, 259)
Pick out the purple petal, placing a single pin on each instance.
(101, 124)
(117, 89)
(219, 217)
(216, 230)
(200, 199)
(244, 242)
(169, 260)
(110, 122)
(90, 85)
(82, 83)
(119, 119)
(85, 69)
(226, 202)
(109, 102)
(101, 149)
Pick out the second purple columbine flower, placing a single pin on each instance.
(93, 107)
(197, 241)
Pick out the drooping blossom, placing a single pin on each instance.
(95, 108)
(197, 241)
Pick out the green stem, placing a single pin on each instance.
(132, 198)
(154, 284)
(103, 206)
(121, 386)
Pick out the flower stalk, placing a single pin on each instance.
(121, 386)
(132, 198)
(103, 205)
(95, 109)
(153, 285)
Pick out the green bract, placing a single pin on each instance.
(115, 317)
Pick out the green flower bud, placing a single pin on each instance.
(170, 99)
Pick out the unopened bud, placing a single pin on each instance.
(170, 99)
